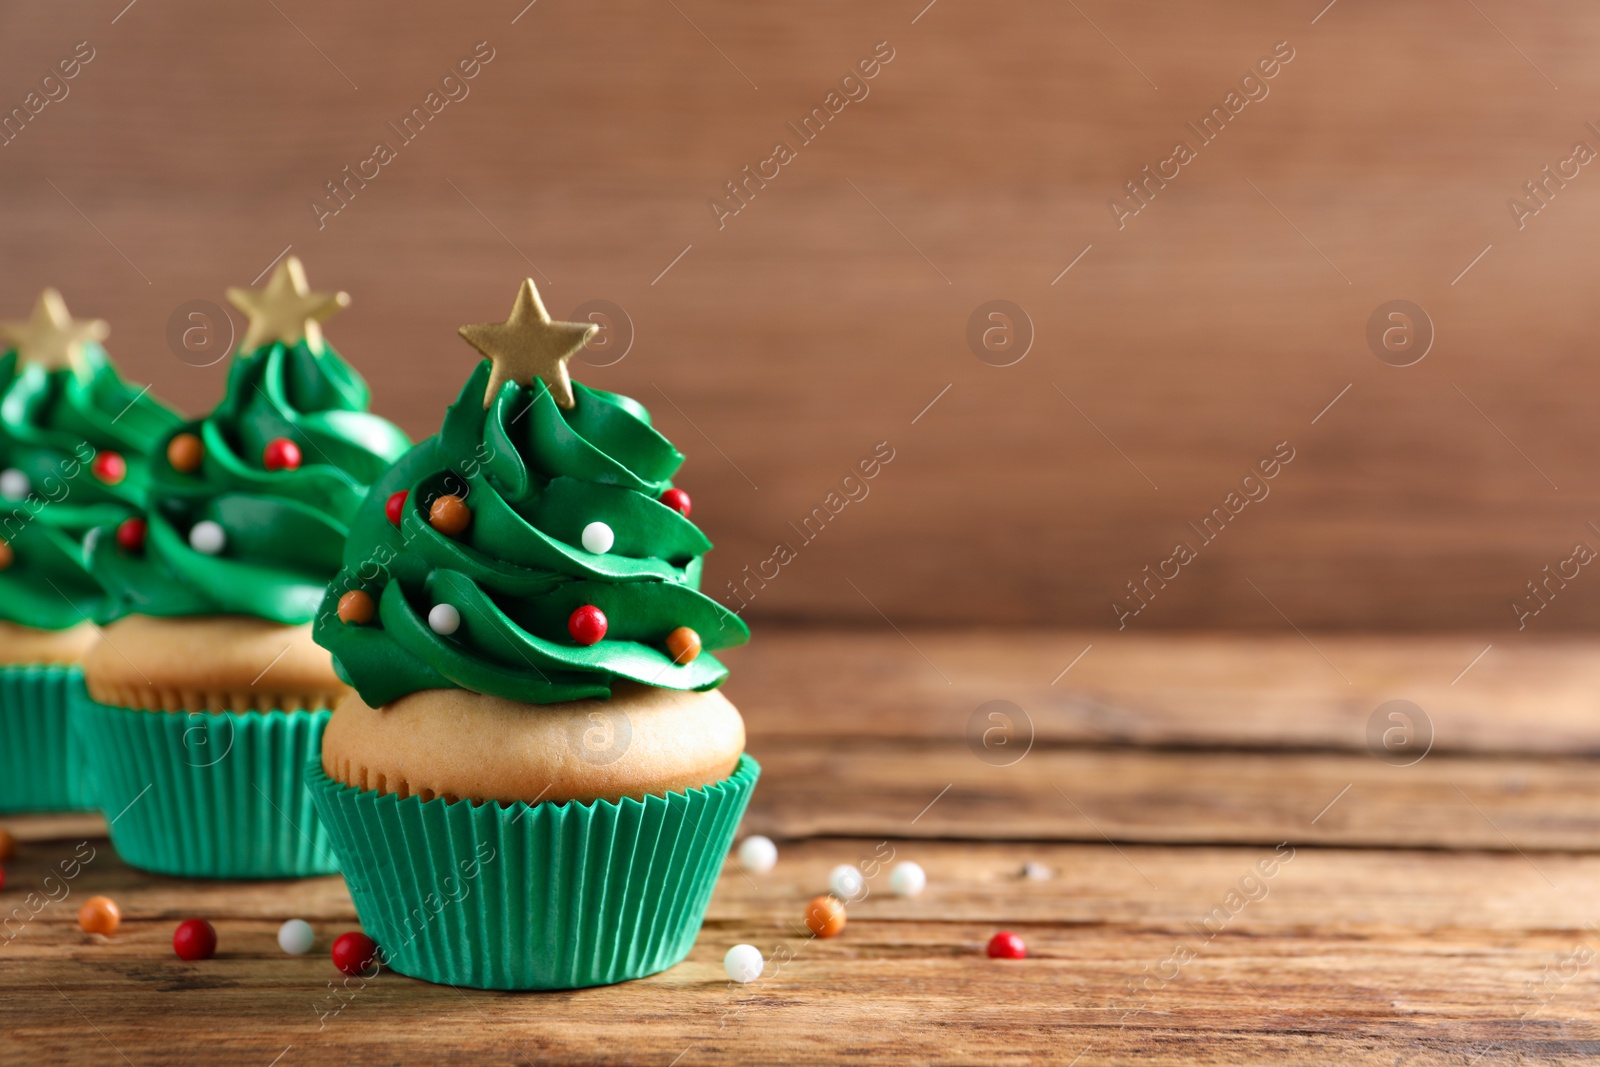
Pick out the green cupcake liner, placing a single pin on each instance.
(41, 764)
(532, 896)
(209, 795)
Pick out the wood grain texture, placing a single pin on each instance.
(892, 789)
(1353, 957)
(1215, 894)
(1529, 697)
(829, 313)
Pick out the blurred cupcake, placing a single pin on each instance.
(208, 698)
(73, 442)
(535, 783)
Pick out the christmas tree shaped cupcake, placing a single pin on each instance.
(210, 691)
(73, 441)
(535, 721)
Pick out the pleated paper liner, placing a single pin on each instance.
(41, 765)
(209, 795)
(540, 896)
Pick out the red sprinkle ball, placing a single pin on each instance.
(194, 939)
(109, 467)
(1007, 946)
(394, 507)
(354, 952)
(281, 454)
(587, 624)
(677, 500)
(131, 533)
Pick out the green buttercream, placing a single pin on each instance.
(534, 476)
(52, 425)
(284, 529)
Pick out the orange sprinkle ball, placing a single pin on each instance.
(825, 916)
(449, 514)
(7, 556)
(99, 915)
(684, 644)
(357, 607)
(185, 452)
(8, 846)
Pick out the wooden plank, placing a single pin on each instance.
(858, 735)
(52, 826)
(1534, 697)
(944, 791)
(1345, 956)
(883, 790)
(807, 329)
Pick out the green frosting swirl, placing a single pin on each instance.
(534, 476)
(53, 423)
(284, 529)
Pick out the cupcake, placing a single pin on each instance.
(73, 442)
(535, 782)
(206, 699)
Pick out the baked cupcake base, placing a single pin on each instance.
(532, 896)
(210, 663)
(458, 744)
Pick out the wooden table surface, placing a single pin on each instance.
(1437, 912)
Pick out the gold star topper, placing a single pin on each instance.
(529, 345)
(51, 337)
(286, 310)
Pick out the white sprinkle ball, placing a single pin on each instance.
(444, 619)
(1037, 872)
(296, 937)
(846, 882)
(758, 854)
(908, 879)
(598, 538)
(14, 485)
(743, 963)
(208, 537)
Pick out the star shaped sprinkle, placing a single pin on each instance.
(286, 310)
(51, 337)
(529, 345)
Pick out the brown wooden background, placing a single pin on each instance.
(809, 329)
